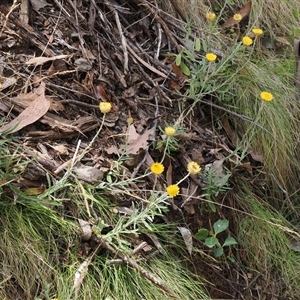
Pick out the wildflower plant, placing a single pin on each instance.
(169, 142)
(211, 240)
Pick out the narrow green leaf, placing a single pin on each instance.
(178, 60)
(220, 226)
(185, 70)
(212, 206)
(229, 241)
(189, 54)
(202, 234)
(211, 241)
(197, 44)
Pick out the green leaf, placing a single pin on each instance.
(202, 234)
(220, 226)
(189, 54)
(211, 241)
(197, 44)
(218, 252)
(178, 60)
(185, 70)
(212, 206)
(229, 241)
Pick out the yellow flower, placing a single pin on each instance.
(157, 168)
(266, 96)
(130, 120)
(211, 57)
(193, 168)
(210, 16)
(257, 31)
(170, 131)
(247, 41)
(173, 190)
(105, 107)
(237, 17)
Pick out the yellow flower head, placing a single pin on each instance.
(238, 17)
(105, 107)
(130, 120)
(193, 168)
(247, 41)
(257, 31)
(210, 16)
(173, 190)
(211, 57)
(170, 131)
(157, 168)
(266, 96)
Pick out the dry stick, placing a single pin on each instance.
(115, 69)
(159, 40)
(132, 263)
(159, 20)
(29, 34)
(146, 64)
(123, 40)
(178, 10)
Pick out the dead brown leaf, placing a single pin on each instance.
(256, 156)
(25, 99)
(31, 114)
(136, 141)
(38, 4)
(100, 93)
(244, 12)
(40, 60)
(57, 65)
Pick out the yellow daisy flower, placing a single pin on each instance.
(257, 31)
(173, 190)
(238, 17)
(266, 96)
(130, 120)
(247, 41)
(170, 131)
(211, 57)
(210, 16)
(157, 168)
(193, 168)
(105, 107)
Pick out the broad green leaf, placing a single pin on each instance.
(218, 252)
(229, 241)
(185, 70)
(220, 226)
(211, 241)
(178, 60)
(197, 44)
(201, 234)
